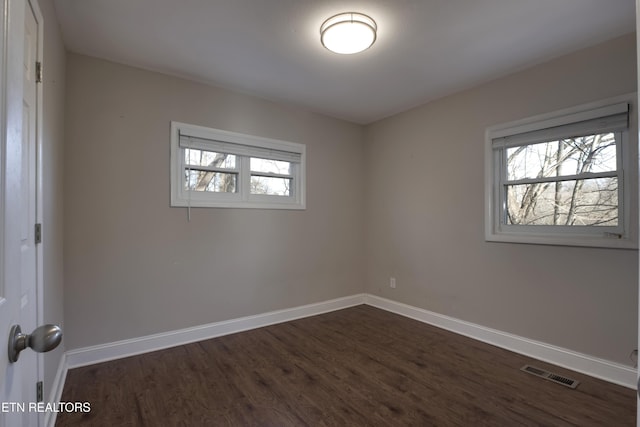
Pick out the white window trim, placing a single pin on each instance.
(242, 199)
(626, 237)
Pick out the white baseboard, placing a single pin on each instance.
(599, 368)
(589, 365)
(119, 349)
(56, 390)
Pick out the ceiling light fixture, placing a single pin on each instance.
(348, 33)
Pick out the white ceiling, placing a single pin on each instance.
(271, 48)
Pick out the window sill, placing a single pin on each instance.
(239, 205)
(556, 240)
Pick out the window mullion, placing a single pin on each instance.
(272, 175)
(211, 169)
(245, 174)
(562, 178)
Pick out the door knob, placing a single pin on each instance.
(44, 338)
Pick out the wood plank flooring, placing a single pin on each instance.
(355, 367)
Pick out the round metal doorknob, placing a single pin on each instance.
(44, 338)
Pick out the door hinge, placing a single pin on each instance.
(39, 397)
(38, 233)
(38, 72)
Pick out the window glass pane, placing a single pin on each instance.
(209, 158)
(270, 166)
(270, 185)
(572, 156)
(592, 202)
(216, 182)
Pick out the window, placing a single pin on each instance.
(563, 178)
(216, 168)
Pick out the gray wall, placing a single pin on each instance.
(134, 266)
(425, 213)
(52, 182)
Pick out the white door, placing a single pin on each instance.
(638, 77)
(18, 174)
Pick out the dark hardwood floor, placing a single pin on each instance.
(355, 367)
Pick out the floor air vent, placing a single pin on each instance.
(567, 382)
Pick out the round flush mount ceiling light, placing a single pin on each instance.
(348, 33)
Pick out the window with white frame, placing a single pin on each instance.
(563, 178)
(217, 168)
